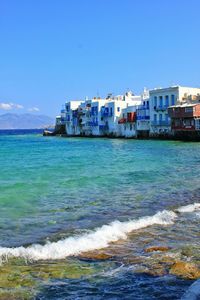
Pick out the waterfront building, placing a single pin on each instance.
(143, 116)
(160, 100)
(112, 112)
(185, 120)
(71, 122)
(58, 121)
(96, 122)
(127, 122)
(126, 115)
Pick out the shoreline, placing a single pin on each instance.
(163, 138)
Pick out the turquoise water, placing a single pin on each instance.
(52, 189)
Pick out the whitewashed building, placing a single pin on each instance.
(143, 115)
(96, 120)
(160, 100)
(113, 111)
(127, 122)
(72, 127)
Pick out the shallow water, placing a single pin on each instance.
(60, 192)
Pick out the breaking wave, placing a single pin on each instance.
(94, 240)
(189, 208)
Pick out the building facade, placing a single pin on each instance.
(128, 115)
(185, 119)
(160, 100)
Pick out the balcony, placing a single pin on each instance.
(92, 123)
(161, 123)
(131, 117)
(81, 111)
(184, 127)
(94, 111)
(161, 107)
(143, 118)
(143, 107)
(104, 111)
(103, 127)
(75, 113)
(63, 120)
(122, 121)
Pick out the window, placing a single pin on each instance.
(166, 100)
(177, 123)
(111, 111)
(155, 117)
(188, 122)
(188, 109)
(147, 104)
(118, 109)
(160, 117)
(131, 126)
(197, 124)
(160, 101)
(155, 101)
(172, 99)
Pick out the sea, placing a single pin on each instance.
(79, 217)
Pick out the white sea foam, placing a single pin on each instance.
(189, 208)
(97, 239)
(94, 240)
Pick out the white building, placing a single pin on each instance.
(127, 122)
(72, 126)
(96, 122)
(113, 111)
(160, 100)
(143, 115)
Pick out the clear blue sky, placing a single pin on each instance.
(54, 50)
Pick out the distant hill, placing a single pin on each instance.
(25, 121)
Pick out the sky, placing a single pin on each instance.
(52, 51)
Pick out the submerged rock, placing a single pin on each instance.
(21, 280)
(157, 248)
(186, 270)
(151, 268)
(95, 255)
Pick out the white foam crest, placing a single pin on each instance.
(100, 238)
(189, 208)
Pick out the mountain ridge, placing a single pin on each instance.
(25, 121)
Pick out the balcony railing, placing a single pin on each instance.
(94, 112)
(92, 123)
(122, 121)
(142, 118)
(161, 123)
(75, 113)
(184, 127)
(131, 117)
(161, 107)
(103, 127)
(104, 113)
(143, 107)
